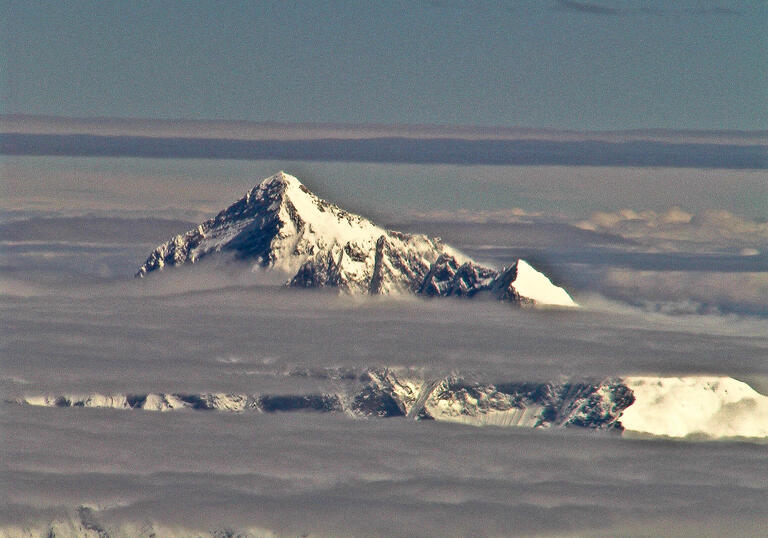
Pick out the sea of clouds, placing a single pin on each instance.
(668, 264)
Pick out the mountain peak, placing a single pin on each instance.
(274, 186)
(280, 224)
(280, 178)
(535, 285)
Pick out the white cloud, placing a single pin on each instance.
(675, 227)
(690, 291)
(478, 216)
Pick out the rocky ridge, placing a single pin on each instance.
(715, 407)
(383, 393)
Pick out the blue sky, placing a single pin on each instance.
(574, 65)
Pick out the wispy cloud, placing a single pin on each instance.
(440, 150)
(586, 7)
(593, 8)
(262, 131)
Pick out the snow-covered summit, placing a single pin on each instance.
(280, 224)
(534, 285)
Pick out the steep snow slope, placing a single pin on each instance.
(534, 285)
(281, 225)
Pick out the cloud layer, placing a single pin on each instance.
(300, 474)
(665, 291)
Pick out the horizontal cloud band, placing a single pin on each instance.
(399, 149)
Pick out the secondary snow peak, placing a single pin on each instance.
(280, 224)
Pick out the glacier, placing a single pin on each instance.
(282, 226)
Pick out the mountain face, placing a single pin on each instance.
(703, 406)
(281, 225)
(590, 404)
(384, 393)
